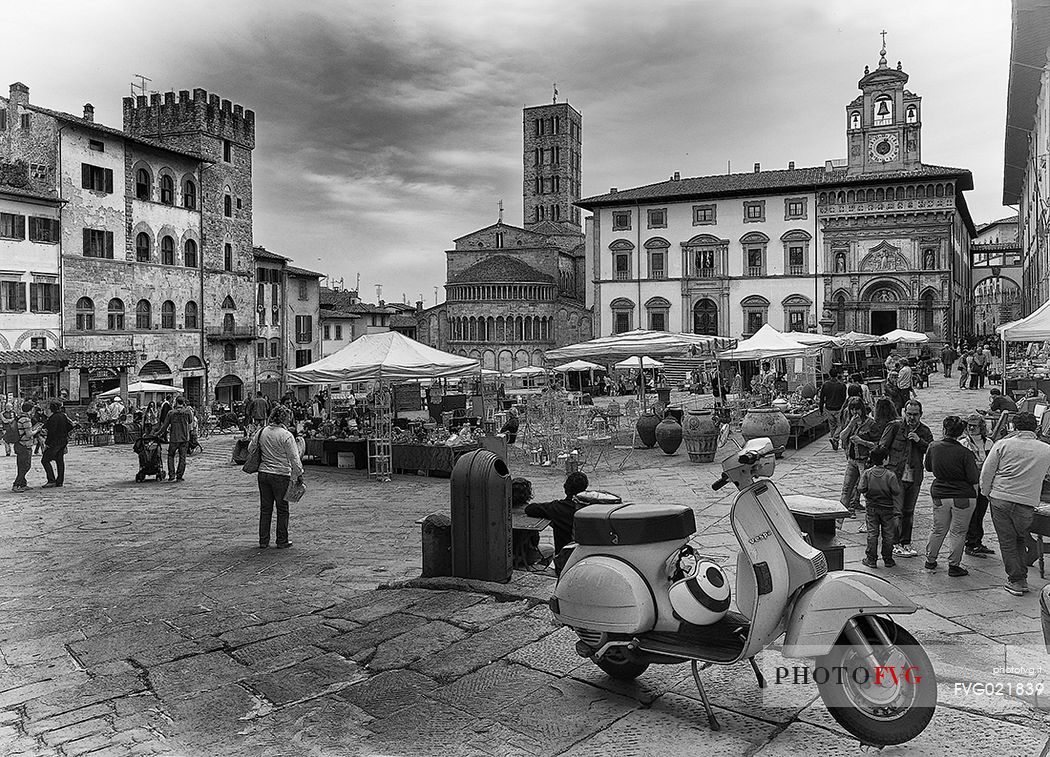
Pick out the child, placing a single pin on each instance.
(561, 512)
(885, 502)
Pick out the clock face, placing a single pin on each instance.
(883, 148)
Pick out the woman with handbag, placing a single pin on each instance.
(274, 455)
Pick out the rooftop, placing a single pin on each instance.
(1029, 41)
(30, 194)
(296, 271)
(262, 252)
(501, 269)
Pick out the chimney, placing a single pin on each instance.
(419, 305)
(612, 190)
(791, 165)
(758, 167)
(89, 112)
(677, 176)
(19, 93)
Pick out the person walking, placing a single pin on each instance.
(1013, 476)
(257, 410)
(150, 418)
(23, 445)
(177, 426)
(964, 369)
(855, 387)
(7, 418)
(906, 379)
(857, 440)
(954, 494)
(165, 408)
(832, 398)
(948, 358)
(976, 440)
(279, 465)
(906, 441)
(56, 428)
(885, 500)
(976, 367)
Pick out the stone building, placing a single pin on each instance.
(156, 234)
(512, 293)
(996, 271)
(874, 242)
(1026, 172)
(303, 297)
(344, 317)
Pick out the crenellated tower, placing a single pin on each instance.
(552, 141)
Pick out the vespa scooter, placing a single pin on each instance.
(637, 591)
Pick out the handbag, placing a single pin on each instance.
(251, 465)
(909, 474)
(296, 490)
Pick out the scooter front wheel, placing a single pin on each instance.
(890, 704)
(620, 664)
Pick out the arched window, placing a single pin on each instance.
(191, 315)
(926, 306)
(840, 314)
(189, 194)
(167, 250)
(228, 303)
(657, 309)
(227, 257)
(705, 318)
(229, 351)
(228, 323)
(115, 315)
(227, 206)
(143, 315)
(623, 315)
(167, 315)
(854, 120)
(190, 254)
(756, 313)
(85, 314)
(167, 190)
(142, 245)
(143, 184)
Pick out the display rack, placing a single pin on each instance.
(380, 449)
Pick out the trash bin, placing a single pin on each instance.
(481, 530)
(664, 395)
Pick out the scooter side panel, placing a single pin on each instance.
(821, 610)
(603, 593)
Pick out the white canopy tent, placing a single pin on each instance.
(815, 340)
(639, 361)
(1033, 328)
(905, 336)
(577, 365)
(860, 339)
(389, 356)
(767, 343)
(637, 342)
(528, 370)
(144, 387)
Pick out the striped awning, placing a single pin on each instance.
(639, 342)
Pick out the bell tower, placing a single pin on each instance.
(884, 123)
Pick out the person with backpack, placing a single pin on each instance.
(56, 427)
(22, 436)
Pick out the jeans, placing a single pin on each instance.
(911, 496)
(880, 521)
(850, 498)
(23, 462)
(951, 517)
(947, 370)
(1013, 523)
(272, 489)
(975, 533)
(58, 456)
(963, 377)
(177, 449)
(833, 426)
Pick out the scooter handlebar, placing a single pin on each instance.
(720, 482)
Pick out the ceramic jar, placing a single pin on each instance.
(769, 422)
(700, 432)
(669, 435)
(646, 428)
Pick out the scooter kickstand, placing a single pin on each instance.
(758, 673)
(711, 719)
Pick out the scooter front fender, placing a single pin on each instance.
(821, 610)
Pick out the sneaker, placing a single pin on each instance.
(930, 565)
(890, 562)
(898, 551)
(1015, 588)
(955, 571)
(909, 551)
(983, 550)
(975, 552)
(869, 563)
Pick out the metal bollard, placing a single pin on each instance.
(437, 545)
(481, 529)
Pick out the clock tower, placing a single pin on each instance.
(883, 124)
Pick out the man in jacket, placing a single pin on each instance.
(57, 427)
(1013, 475)
(177, 426)
(256, 410)
(832, 398)
(906, 441)
(23, 446)
(948, 358)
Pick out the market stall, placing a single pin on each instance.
(1027, 366)
(383, 360)
(576, 371)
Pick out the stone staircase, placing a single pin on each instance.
(677, 368)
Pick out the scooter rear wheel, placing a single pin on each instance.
(891, 706)
(620, 664)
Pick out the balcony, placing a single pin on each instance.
(796, 270)
(623, 275)
(657, 274)
(755, 270)
(705, 273)
(225, 334)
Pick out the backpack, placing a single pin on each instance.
(11, 432)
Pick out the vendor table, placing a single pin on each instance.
(805, 427)
(332, 448)
(816, 518)
(433, 459)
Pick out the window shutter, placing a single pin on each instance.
(20, 227)
(20, 298)
(56, 298)
(109, 180)
(34, 227)
(34, 298)
(87, 241)
(85, 176)
(56, 229)
(109, 244)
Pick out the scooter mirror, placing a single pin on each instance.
(761, 446)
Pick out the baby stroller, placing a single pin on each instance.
(150, 462)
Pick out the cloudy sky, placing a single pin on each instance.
(387, 129)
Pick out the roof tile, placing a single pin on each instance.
(499, 269)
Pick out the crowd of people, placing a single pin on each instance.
(888, 450)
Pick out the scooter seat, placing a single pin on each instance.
(619, 524)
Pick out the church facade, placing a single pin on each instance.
(871, 243)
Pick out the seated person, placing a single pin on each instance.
(526, 544)
(560, 512)
(998, 402)
(510, 428)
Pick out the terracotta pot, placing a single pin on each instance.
(669, 435)
(766, 421)
(646, 427)
(700, 432)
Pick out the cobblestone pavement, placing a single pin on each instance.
(142, 619)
